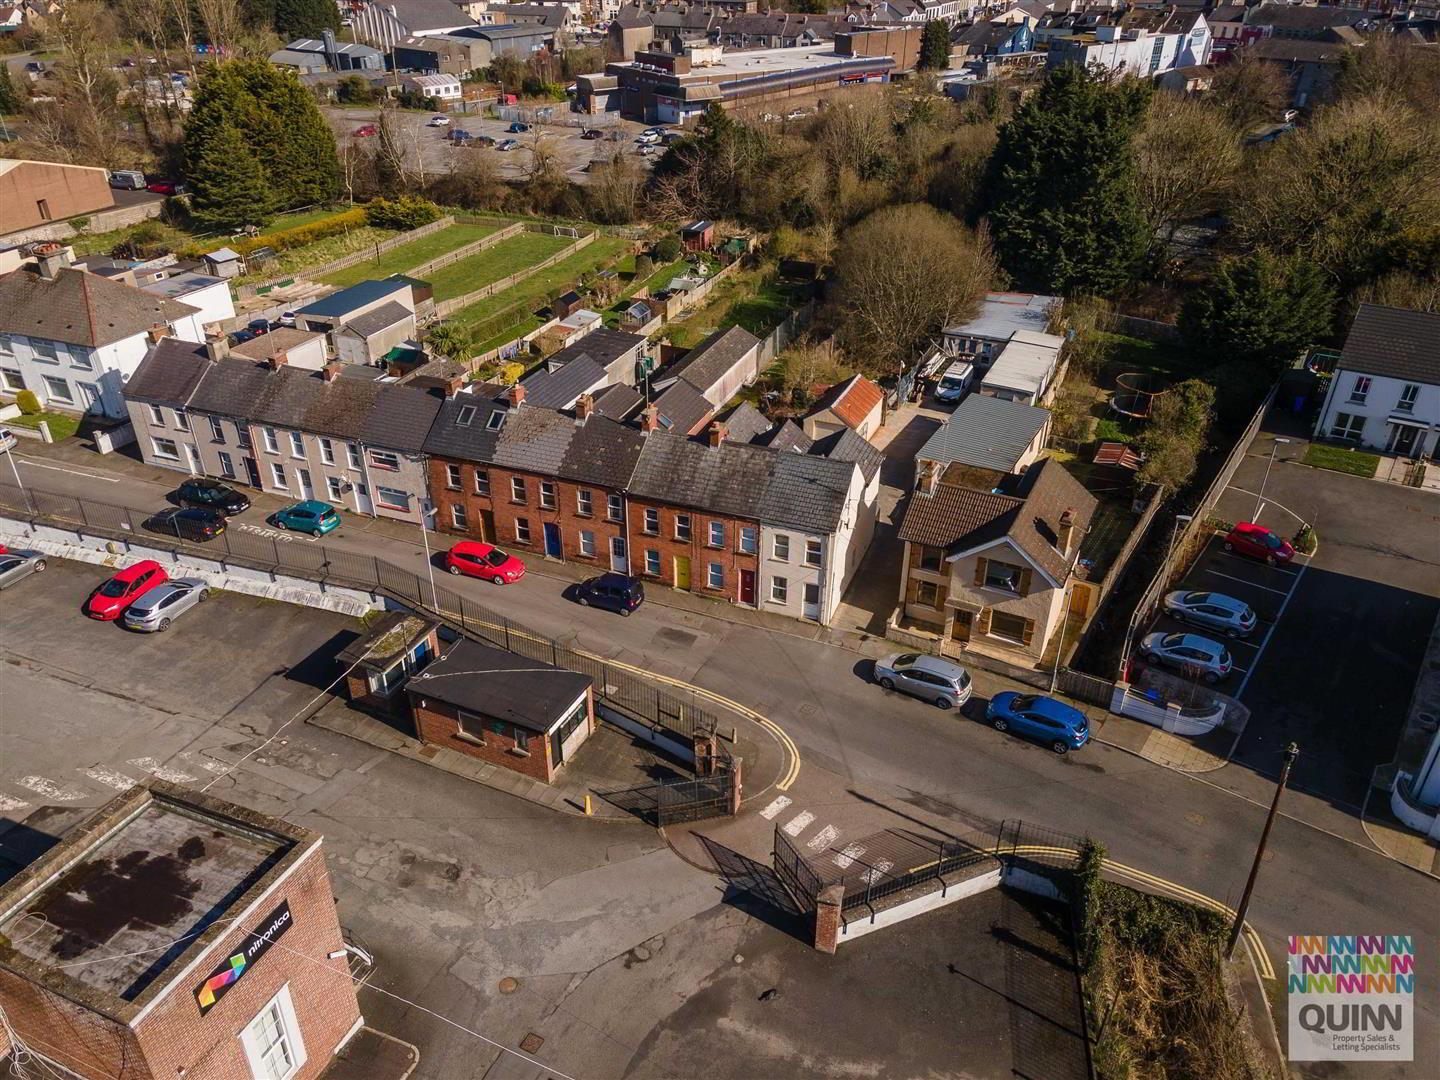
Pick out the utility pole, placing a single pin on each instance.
(1260, 499)
(1292, 751)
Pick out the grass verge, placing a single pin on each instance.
(62, 425)
(1341, 459)
(398, 260)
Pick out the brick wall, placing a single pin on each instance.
(697, 549)
(438, 723)
(506, 512)
(173, 1036)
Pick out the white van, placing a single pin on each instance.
(128, 179)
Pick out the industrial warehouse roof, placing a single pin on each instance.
(987, 433)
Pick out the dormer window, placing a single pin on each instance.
(497, 420)
(467, 413)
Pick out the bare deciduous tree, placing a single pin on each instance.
(1185, 160)
(223, 24)
(1249, 92)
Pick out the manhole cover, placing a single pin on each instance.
(531, 1043)
(677, 637)
(509, 985)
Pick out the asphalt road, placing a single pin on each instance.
(1320, 876)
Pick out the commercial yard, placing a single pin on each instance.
(398, 260)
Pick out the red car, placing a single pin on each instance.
(110, 600)
(1259, 543)
(484, 561)
(365, 132)
(166, 187)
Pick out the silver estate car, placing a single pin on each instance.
(154, 610)
(1232, 617)
(1190, 654)
(941, 682)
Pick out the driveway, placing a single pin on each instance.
(1340, 664)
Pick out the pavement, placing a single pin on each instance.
(869, 760)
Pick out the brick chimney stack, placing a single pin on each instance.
(1066, 532)
(331, 372)
(584, 406)
(157, 333)
(650, 418)
(717, 433)
(455, 384)
(52, 258)
(517, 395)
(217, 344)
(277, 360)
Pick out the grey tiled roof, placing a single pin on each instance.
(556, 384)
(787, 435)
(230, 388)
(986, 432)
(534, 439)
(617, 401)
(81, 309)
(745, 422)
(495, 683)
(849, 445)
(429, 14)
(169, 373)
(380, 318)
(1396, 342)
(706, 364)
(603, 346)
(602, 452)
(728, 479)
(400, 418)
(806, 493)
(683, 408)
(472, 441)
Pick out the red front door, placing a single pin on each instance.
(747, 587)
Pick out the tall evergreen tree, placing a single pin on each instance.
(10, 100)
(231, 190)
(279, 123)
(305, 18)
(1063, 207)
(935, 45)
(1261, 310)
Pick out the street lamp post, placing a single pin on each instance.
(426, 508)
(1260, 499)
(9, 449)
(1292, 751)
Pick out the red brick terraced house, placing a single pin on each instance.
(510, 473)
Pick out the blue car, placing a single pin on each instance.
(312, 516)
(1050, 721)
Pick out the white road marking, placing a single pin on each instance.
(775, 807)
(9, 805)
(1252, 584)
(271, 534)
(215, 767)
(1255, 662)
(847, 857)
(154, 768)
(73, 472)
(824, 838)
(110, 778)
(799, 823)
(876, 872)
(49, 789)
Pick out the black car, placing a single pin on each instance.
(592, 133)
(211, 495)
(190, 523)
(615, 592)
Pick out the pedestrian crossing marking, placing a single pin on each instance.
(845, 858)
(154, 768)
(770, 812)
(110, 778)
(799, 823)
(824, 838)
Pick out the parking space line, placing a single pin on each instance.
(1252, 584)
(1278, 616)
(60, 468)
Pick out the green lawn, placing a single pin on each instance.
(1124, 353)
(62, 425)
(1341, 459)
(505, 258)
(534, 290)
(400, 259)
(291, 263)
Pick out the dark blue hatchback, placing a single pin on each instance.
(1052, 722)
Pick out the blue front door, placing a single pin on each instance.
(552, 540)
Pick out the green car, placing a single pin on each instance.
(312, 516)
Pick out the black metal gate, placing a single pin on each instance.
(794, 872)
(670, 802)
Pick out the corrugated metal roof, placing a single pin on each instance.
(1002, 314)
(987, 433)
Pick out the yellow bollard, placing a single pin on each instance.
(588, 808)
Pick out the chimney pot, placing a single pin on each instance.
(717, 433)
(331, 372)
(517, 394)
(584, 406)
(650, 418)
(52, 258)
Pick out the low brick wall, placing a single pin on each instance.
(101, 222)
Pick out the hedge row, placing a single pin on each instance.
(288, 239)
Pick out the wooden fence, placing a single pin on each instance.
(472, 248)
(376, 250)
(449, 307)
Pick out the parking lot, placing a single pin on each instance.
(1266, 589)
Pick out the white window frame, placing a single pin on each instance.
(1013, 588)
(242, 435)
(547, 494)
(392, 498)
(44, 350)
(780, 548)
(652, 521)
(652, 562)
(779, 590)
(587, 542)
(614, 507)
(522, 530)
(385, 460)
(157, 416)
(332, 485)
(352, 453)
(749, 539)
(182, 421)
(715, 575)
(297, 445)
(814, 553)
(458, 517)
(277, 476)
(1348, 426)
(1360, 389)
(283, 1009)
(227, 466)
(172, 455)
(454, 477)
(682, 527)
(327, 451)
(585, 502)
(1409, 394)
(482, 481)
(517, 489)
(68, 396)
(217, 431)
(80, 357)
(13, 380)
(272, 440)
(716, 530)
(7, 346)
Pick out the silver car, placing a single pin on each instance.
(1232, 617)
(156, 609)
(1190, 654)
(940, 682)
(15, 565)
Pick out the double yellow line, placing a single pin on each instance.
(792, 768)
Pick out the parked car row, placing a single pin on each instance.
(143, 597)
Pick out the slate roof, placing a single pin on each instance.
(806, 493)
(534, 438)
(962, 519)
(263, 347)
(745, 422)
(473, 441)
(556, 384)
(604, 346)
(1285, 17)
(1296, 50)
(500, 685)
(617, 401)
(383, 317)
(683, 408)
(429, 14)
(728, 479)
(357, 295)
(602, 452)
(986, 432)
(849, 445)
(851, 401)
(787, 435)
(1394, 342)
(706, 364)
(81, 309)
(1226, 13)
(399, 418)
(169, 373)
